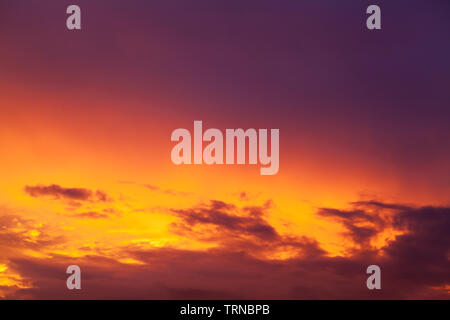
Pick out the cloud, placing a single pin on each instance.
(18, 233)
(246, 196)
(361, 224)
(227, 218)
(151, 187)
(414, 264)
(235, 228)
(95, 214)
(419, 258)
(166, 191)
(422, 253)
(91, 215)
(72, 194)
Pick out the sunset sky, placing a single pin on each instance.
(85, 171)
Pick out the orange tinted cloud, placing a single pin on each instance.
(58, 192)
(244, 263)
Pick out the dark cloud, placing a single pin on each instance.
(378, 204)
(414, 265)
(227, 219)
(422, 253)
(361, 224)
(95, 214)
(243, 196)
(102, 196)
(419, 258)
(91, 215)
(72, 194)
(59, 192)
(240, 229)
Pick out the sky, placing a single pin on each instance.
(86, 176)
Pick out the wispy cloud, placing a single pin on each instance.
(57, 192)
